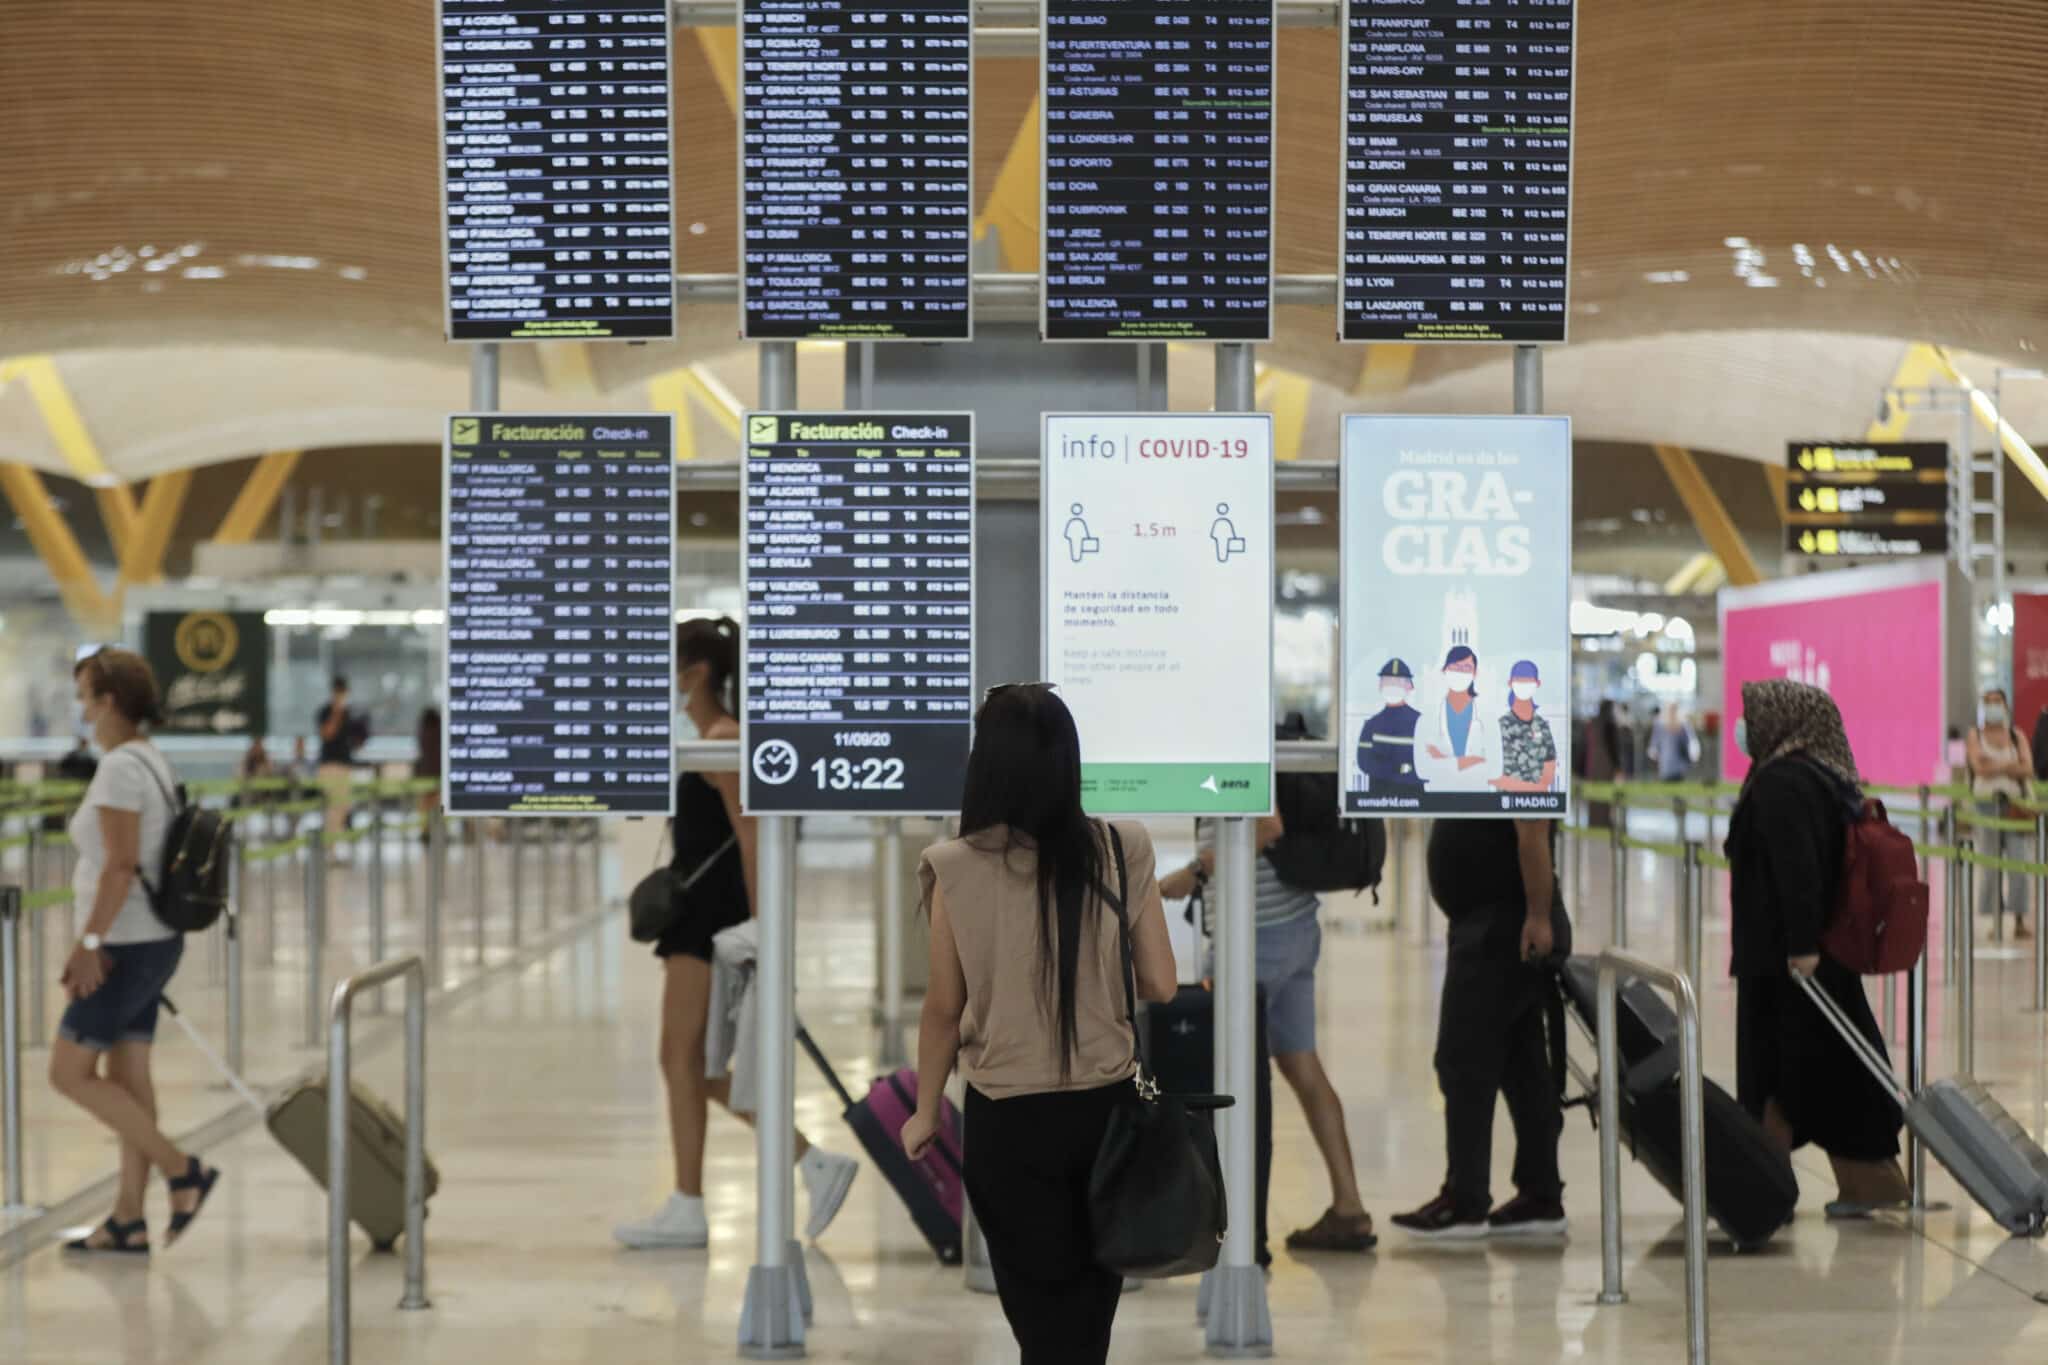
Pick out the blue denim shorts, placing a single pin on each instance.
(124, 1008)
(1287, 969)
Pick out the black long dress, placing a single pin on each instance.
(717, 899)
(1785, 851)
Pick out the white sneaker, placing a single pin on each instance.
(827, 1178)
(679, 1224)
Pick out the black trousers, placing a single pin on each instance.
(1027, 1163)
(1491, 1042)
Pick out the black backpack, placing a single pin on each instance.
(191, 889)
(1321, 850)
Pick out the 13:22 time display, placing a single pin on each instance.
(867, 774)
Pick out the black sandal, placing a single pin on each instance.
(196, 1177)
(122, 1239)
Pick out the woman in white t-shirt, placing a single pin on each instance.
(116, 974)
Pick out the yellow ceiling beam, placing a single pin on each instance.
(259, 495)
(1013, 201)
(670, 393)
(58, 547)
(2016, 447)
(61, 418)
(721, 48)
(720, 402)
(1709, 516)
(1688, 579)
(1780, 480)
(162, 505)
(1919, 368)
(565, 368)
(1285, 394)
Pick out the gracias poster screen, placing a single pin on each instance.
(1456, 616)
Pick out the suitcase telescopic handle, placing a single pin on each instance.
(1855, 1039)
(810, 1046)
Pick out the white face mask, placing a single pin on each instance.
(1458, 682)
(1394, 696)
(1524, 690)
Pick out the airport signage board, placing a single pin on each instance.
(1457, 170)
(858, 574)
(556, 174)
(1156, 547)
(1867, 499)
(559, 535)
(1456, 616)
(213, 669)
(1158, 184)
(857, 170)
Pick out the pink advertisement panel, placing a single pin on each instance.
(1875, 646)
(2029, 658)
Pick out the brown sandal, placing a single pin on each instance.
(1335, 1232)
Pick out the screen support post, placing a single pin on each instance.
(1239, 1323)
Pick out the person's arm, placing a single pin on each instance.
(743, 827)
(938, 1029)
(121, 835)
(333, 717)
(1532, 853)
(1158, 979)
(1478, 743)
(1181, 883)
(1973, 751)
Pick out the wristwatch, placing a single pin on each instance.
(92, 943)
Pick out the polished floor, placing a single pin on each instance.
(546, 1120)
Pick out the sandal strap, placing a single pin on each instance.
(193, 1179)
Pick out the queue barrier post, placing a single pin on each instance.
(1965, 994)
(1916, 1075)
(378, 928)
(316, 927)
(14, 1198)
(479, 850)
(892, 1049)
(38, 941)
(231, 932)
(436, 873)
(1618, 867)
(1692, 1139)
(1952, 896)
(339, 1132)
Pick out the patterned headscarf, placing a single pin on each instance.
(1786, 718)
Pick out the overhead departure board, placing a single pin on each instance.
(560, 544)
(859, 583)
(857, 169)
(556, 182)
(1457, 170)
(1158, 212)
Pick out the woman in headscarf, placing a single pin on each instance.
(1794, 1073)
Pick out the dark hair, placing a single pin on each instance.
(1462, 654)
(1998, 692)
(340, 682)
(1024, 775)
(714, 642)
(125, 677)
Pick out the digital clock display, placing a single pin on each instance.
(859, 581)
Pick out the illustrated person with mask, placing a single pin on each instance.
(2001, 760)
(1458, 742)
(1527, 747)
(1386, 742)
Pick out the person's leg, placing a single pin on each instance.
(1471, 1055)
(685, 999)
(1534, 1109)
(1288, 954)
(720, 1090)
(128, 1067)
(74, 1074)
(1304, 1074)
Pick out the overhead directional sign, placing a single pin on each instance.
(214, 670)
(1156, 546)
(857, 169)
(859, 583)
(1867, 541)
(558, 215)
(1158, 127)
(1867, 499)
(1457, 170)
(560, 543)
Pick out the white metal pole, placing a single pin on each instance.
(16, 1198)
(316, 925)
(891, 910)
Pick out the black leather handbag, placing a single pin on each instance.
(656, 901)
(1156, 1199)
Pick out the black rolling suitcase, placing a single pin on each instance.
(1751, 1191)
(1180, 1043)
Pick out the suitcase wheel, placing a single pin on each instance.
(385, 1247)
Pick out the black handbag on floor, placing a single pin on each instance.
(1156, 1199)
(653, 905)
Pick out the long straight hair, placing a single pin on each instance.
(1024, 775)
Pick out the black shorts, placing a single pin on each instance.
(695, 926)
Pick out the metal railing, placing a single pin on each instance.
(1692, 1139)
(339, 1062)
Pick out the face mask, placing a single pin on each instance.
(1524, 690)
(1394, 696)
(1742, 736)
(1994, 714)
(1458, 682)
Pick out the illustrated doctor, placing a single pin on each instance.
(1456, 743)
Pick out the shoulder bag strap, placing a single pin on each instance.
(705, 866)
(1123, 935)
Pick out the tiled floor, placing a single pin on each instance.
(547, 1125)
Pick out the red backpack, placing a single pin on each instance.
(1880, 921)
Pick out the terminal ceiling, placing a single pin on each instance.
(222, 222)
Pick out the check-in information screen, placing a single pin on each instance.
(1156, 536)
(561, 615)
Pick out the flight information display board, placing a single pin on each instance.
(1158, 155)
(558, 215)
(559, 534)
(1457, 170)
(857, 170)
(859, 581)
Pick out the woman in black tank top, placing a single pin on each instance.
(711, 835)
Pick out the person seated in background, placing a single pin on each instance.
(1499, 1018)
(1793, 1072)
(2000, 761)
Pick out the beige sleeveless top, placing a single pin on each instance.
(1009, 1034)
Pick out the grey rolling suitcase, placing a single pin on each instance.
(1968, 1131)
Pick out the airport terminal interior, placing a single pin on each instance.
(575, 486)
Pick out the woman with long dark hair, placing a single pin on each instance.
(714, 852)
(1027, 994)
(1793, 1072)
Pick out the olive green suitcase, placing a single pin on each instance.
(376, 1170)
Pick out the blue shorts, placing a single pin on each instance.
(1288, 953)
(123, 1009)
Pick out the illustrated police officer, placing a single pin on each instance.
(1386, 742)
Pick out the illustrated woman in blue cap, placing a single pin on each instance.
(1528, 751)
(1458, 742)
